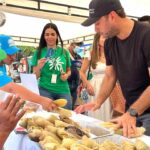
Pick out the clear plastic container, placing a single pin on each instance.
(95, 129)
(114, 138)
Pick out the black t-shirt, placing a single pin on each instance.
(131, 59)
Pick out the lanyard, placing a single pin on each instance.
(50, 53)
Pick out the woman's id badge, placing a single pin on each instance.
(54, 78)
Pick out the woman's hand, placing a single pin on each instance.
(37, 69)
(48, 104)
(64, 76)
(41, 63)
(90, 89)
(84, 107)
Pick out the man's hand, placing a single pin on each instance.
(84, 107)
(127, 122)
(9, 113)
(91, 106)
(48, 104)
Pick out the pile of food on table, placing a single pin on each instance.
(60, 132)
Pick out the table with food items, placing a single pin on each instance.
(66, 130)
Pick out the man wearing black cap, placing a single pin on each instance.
(127, 52)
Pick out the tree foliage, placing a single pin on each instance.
(25, 51)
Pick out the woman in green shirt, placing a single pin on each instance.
(51, 64)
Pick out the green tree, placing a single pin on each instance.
(25, 51)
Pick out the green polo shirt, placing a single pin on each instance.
(57, 64)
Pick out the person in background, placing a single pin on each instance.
(6, 84)
(51, 64)
(95, 61)
(10, 114)
(128, 60)
(74, 79)
(115, 104)
(145, 19)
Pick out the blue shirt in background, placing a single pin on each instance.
(4, 78)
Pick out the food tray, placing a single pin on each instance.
(96, 129)
(114, 138)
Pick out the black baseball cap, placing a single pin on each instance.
(99, 8)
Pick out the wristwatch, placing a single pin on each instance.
(132, 112)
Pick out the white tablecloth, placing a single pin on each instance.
(22, 142)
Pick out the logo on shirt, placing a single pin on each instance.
(11, 42)
(56, 64)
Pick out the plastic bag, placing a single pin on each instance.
(84, 95)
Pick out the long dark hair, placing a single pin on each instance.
(42, 43)
(95, 51)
